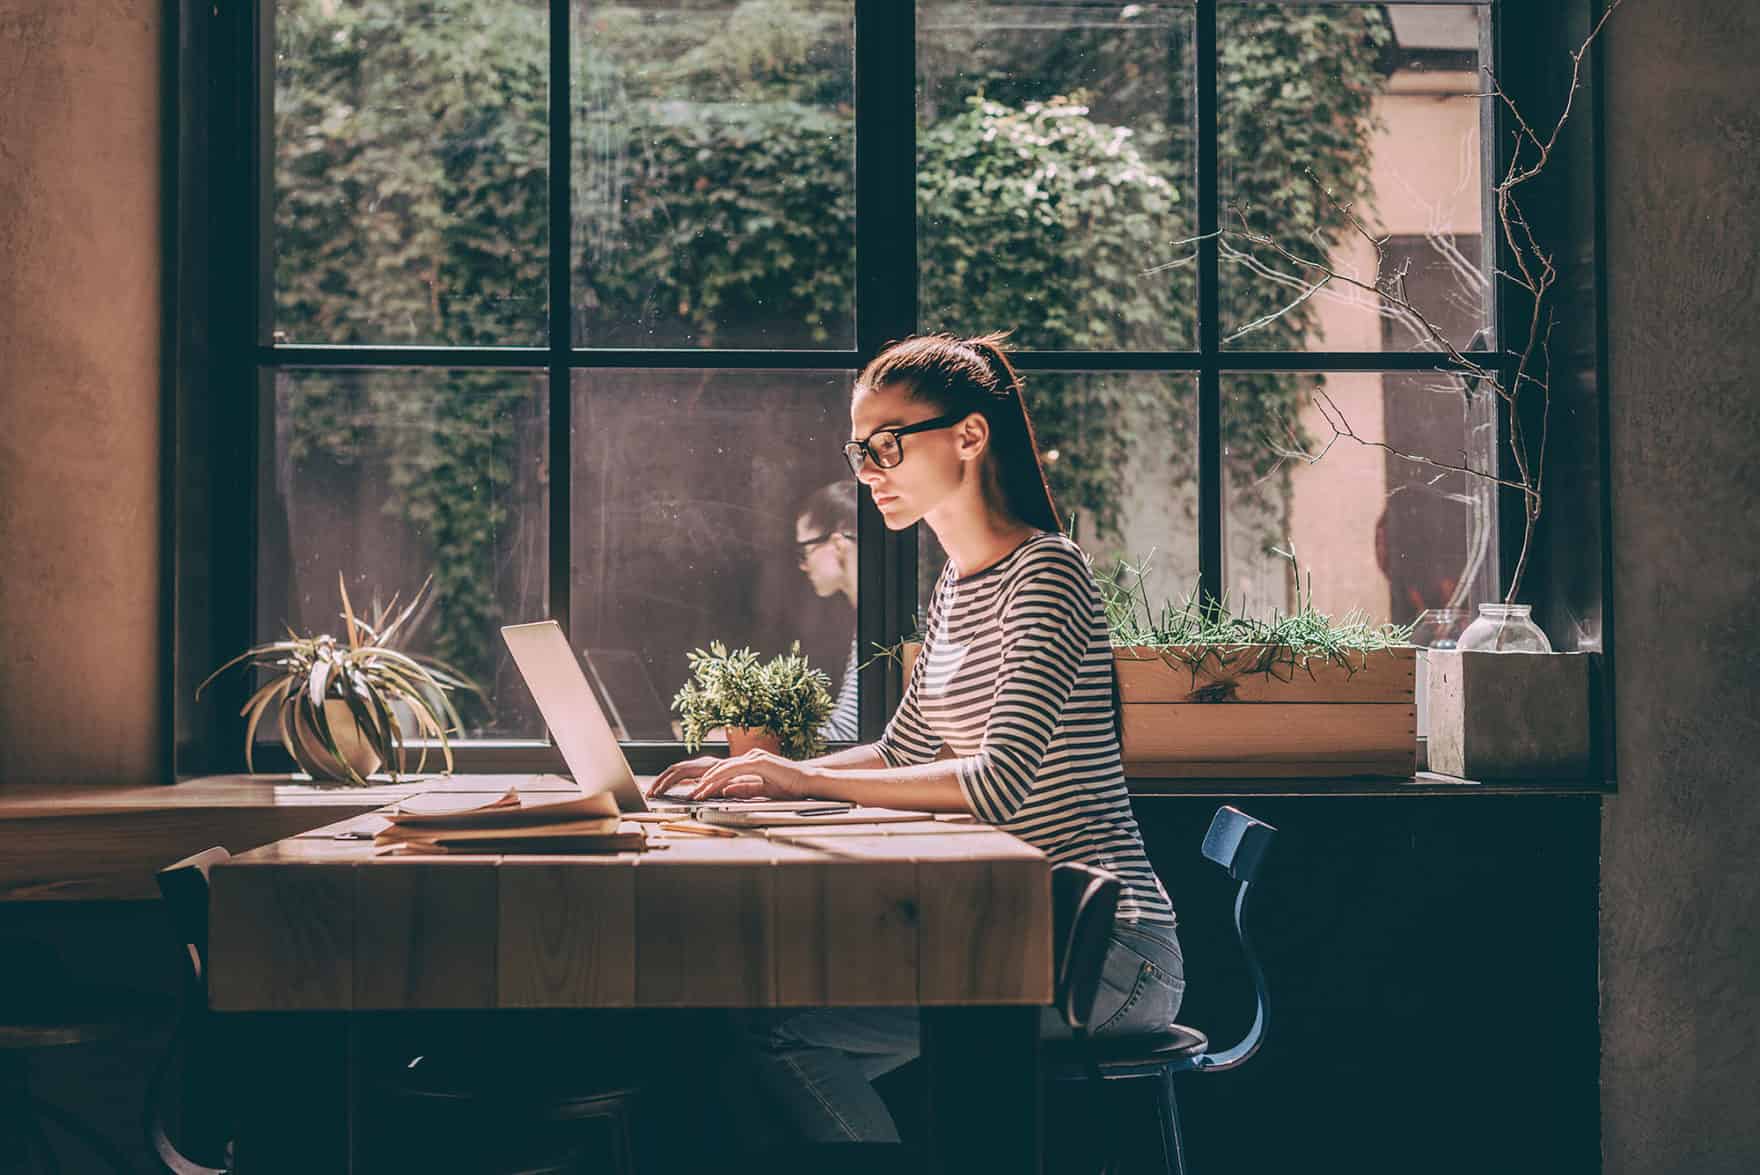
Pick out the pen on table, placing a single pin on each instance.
(693, 826)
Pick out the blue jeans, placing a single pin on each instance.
(818, 1065)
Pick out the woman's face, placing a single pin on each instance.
(821, 556)
(934, 461)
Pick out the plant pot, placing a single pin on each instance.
(741, 739)
(1218, 720)
(1510, 715)
(308, 747)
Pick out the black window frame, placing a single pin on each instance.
(221, 360)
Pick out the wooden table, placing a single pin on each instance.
(953, 919)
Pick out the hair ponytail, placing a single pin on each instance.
(1019, 471)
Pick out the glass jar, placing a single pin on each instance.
(1504, 628)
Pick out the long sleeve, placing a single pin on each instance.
(1047, 623)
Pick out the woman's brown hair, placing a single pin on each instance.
(974, 375)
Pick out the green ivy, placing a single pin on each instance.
(715, 206)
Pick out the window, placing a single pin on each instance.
(568, 321)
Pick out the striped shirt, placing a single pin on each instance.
(843, 722)
(1015, 677)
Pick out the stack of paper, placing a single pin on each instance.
(542, 822)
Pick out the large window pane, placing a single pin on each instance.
(1311, 467)
(1054, 189)
(690, 491)
(714, 174)
(389, 477)
(410, 172)
(1120, 455)
(1380, 104)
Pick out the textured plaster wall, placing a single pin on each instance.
(1681, 842)
(79, 389)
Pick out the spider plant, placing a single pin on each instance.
(320, 685)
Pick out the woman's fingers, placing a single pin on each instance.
(681, 772)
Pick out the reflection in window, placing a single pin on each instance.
(691, 494)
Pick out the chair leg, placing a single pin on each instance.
(1167, 1110)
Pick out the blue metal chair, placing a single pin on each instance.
(1084, 902)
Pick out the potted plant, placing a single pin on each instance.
(1206, 693)
(341, 702)
(778, 706)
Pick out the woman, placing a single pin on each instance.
(1015, 679)
(825, 536)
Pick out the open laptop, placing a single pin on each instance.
(577, 722)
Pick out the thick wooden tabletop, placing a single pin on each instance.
(927, 913)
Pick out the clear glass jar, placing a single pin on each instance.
(1504, 628)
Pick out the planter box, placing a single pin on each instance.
(1510, 715)
(1224, 722)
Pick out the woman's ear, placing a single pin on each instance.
(972, 435)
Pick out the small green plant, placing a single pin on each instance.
(1193, 631)
(366, 673)
(1280, 644)
(785, 696)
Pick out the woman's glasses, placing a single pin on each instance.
(805, 547)
(883, 446)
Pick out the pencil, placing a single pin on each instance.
(693, 826)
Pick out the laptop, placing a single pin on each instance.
(583, 734)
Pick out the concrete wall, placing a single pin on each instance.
(79, 390)
(1681, 841)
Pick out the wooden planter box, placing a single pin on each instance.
(1224, 722)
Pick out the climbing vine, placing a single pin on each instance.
(714, 206)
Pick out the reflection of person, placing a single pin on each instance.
(825, 536)
(1015, 678)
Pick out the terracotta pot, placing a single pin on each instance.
(308, 747)
(741, 739)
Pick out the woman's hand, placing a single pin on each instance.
(685, 771)
(755, 775)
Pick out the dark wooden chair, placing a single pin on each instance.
(38, 1012)
(1084, 903)
(468, 1109)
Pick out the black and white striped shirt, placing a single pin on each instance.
(845, 714)
(1015, 677)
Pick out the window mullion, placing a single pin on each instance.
(886, 310)
(1210, 506)
(561, 315)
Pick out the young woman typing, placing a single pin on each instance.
(1015, 678)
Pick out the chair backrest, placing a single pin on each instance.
(1238, 843)
(1084, 901)
(184, 886)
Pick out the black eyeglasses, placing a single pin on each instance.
(883, 447)
(804, 547)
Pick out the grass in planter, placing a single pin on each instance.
(1279, 645)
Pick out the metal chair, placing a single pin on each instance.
(1084, 903)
